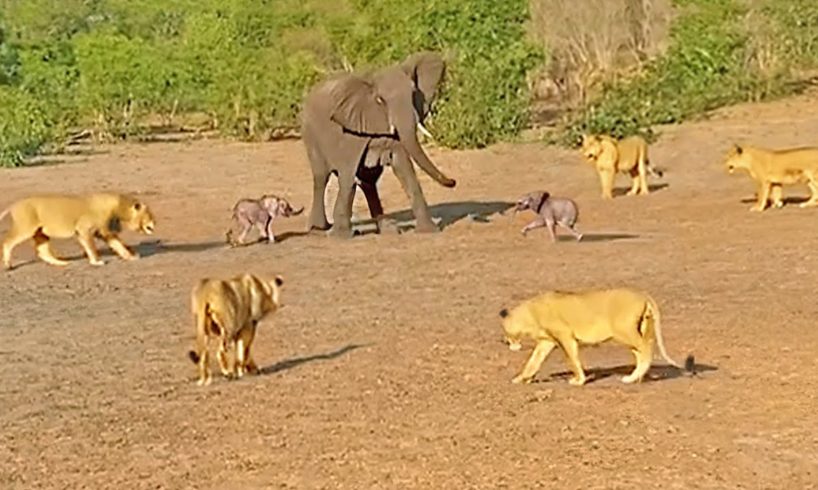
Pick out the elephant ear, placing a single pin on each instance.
(357, 107)
(426, 69)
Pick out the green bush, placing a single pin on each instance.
(25, 126)
(706, 66)
(485, 97)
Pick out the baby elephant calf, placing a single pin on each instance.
(261, 213)
(551, 211)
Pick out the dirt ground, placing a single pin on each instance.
(386, 369)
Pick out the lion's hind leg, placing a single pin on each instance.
(636, 182)
(641, 345)
(644, 357)
(571, 348)
(43, 247)
(15, 236)
(813, 199)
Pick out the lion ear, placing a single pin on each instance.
(504, 313)
(545, 195)
(278, 281)
(738, 149)
(358, 107)
(137, 206)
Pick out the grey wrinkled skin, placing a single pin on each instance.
(355, 124)
(260, 213)
(551, 211)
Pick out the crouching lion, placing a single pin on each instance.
(230, 310)
(87, 217)
(568, 319)
(773, 168)
(610, 156)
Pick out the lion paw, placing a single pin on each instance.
(520, 380)
(576, 381)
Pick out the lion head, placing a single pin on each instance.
(736, 158)
(138, 217)
(591, 146)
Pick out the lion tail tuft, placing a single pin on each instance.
(194, 356)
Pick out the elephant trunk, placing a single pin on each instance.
(298, 211)
(409, 139)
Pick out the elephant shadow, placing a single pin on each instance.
(656, 372)
(449, 213)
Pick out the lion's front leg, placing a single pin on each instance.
(571, 348)
(541, 351)
(606, 179)
(87, 242)
(763, 197)
(120, 249)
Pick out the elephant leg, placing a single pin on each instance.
(320, 177)
(405, 172)
(342, 214)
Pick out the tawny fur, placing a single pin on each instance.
(229, 311)
(610, 156)
(570, 319)
(86, 217)
(771, 169)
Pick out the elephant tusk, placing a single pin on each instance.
(392, 129)
(424, 131)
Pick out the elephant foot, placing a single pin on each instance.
(341, 232)
(426, 226)
(318, 228)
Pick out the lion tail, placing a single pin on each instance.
(652, 315)
(4, 213)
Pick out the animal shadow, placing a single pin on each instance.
(598, 237)
(656, 372)
(297, 361)
(786, 200)
(146, 249)
(621, 191)
(449, 213)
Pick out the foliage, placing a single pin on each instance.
(708, 64)
(111, 65)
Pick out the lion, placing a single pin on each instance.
(230, 310)
(98, 215)
(610, 156)
(568, 319)
(771, 169)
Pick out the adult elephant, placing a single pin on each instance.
(354, 125)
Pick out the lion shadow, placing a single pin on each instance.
(297, 361)
(787, 201)
(148, 248)
(621, 191)
(656, 373)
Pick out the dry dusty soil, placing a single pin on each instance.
(385, 369)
